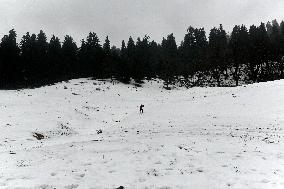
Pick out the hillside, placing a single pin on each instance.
(89, 134)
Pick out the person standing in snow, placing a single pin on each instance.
(141, 109)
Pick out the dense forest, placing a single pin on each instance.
(252, 54)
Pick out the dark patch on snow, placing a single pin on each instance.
(38, 136)
(75, 94)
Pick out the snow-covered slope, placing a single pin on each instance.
(197, 138)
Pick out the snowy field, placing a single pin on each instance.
(89, 134)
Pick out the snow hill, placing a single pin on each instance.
(89, 134)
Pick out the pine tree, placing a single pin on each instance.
(275, 51)
(41, 57)
(169, 60)
(106, 46)
(281, 51)
(9, 59)
(131, 51)
(26, 53)
(201, 49)
(154, 57)
(269, 28)
(108, 64)
(42, 44)
(83, 61)
(254, 59)
(69, 53)
(94, 55)
(124, 67)
(187, 52)
(55, 58)
(217, 52)
(141, 66)
(275, 38)
(258, 52)
(239, 46)
(264, 52)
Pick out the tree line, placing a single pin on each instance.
(253, 54)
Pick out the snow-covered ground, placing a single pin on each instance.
(197, 138)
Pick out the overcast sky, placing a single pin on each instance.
(121, 18)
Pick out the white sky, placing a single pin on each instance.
(121, 18)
